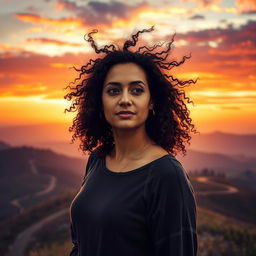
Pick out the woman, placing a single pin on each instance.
(135, 199)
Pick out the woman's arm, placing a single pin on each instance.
(171, 211)
(89, 163)
(74, 250)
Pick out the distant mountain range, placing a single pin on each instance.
(52, 136)
(57, 137)
(4, 145)
(27, 134)
(225, 143)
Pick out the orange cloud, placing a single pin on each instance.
(230, 107)
(21, 90)
(61, 65)
(37, 19)
(246, 6)
(9, 50)
(29, 74)
(52, 41)
(233, 51)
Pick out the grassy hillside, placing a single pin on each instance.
(26, 171)
(217, 235)
(222, 235)
(239, 205)
(13, 225)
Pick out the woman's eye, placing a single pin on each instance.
(136, 90)
(139, 90)
(110, 90)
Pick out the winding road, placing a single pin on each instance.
(17, 248)
(227, 188)
(22, 240)
(49, 187)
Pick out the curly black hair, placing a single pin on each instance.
(171, 125)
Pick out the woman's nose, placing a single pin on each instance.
(125, 98)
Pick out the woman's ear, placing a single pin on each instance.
(151, 105)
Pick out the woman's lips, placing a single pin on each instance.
(125, 115)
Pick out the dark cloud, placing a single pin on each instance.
(223, 21)
(114, 8)
(32, 9)
(94, 12)
(207, 2)
(197, 17)
(249, 12)
(231, 37)
(26, 62)
(70, 6)
(10, 62)
(33, 70)
(234, 55)
(203, 2)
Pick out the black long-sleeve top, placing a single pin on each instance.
(148, 211)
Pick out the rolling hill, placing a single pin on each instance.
(29, 175)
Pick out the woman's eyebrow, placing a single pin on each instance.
(137, 82)
(119, 84)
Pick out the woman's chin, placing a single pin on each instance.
(127, 124)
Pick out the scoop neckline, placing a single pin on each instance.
(103, 160)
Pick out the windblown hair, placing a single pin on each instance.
(171, 125)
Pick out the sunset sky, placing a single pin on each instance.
(42, 39)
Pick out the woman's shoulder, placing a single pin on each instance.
(169, 176)
(168, 165)
(93, 155)
(169, 169)
(165, 162)
(92, 158)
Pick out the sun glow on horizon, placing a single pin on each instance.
(40, 45)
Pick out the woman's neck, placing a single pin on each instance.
(130, 145)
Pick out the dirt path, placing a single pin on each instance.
(51, 185)
(227, 189)
(19, 245)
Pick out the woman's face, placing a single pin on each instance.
(126, 89)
